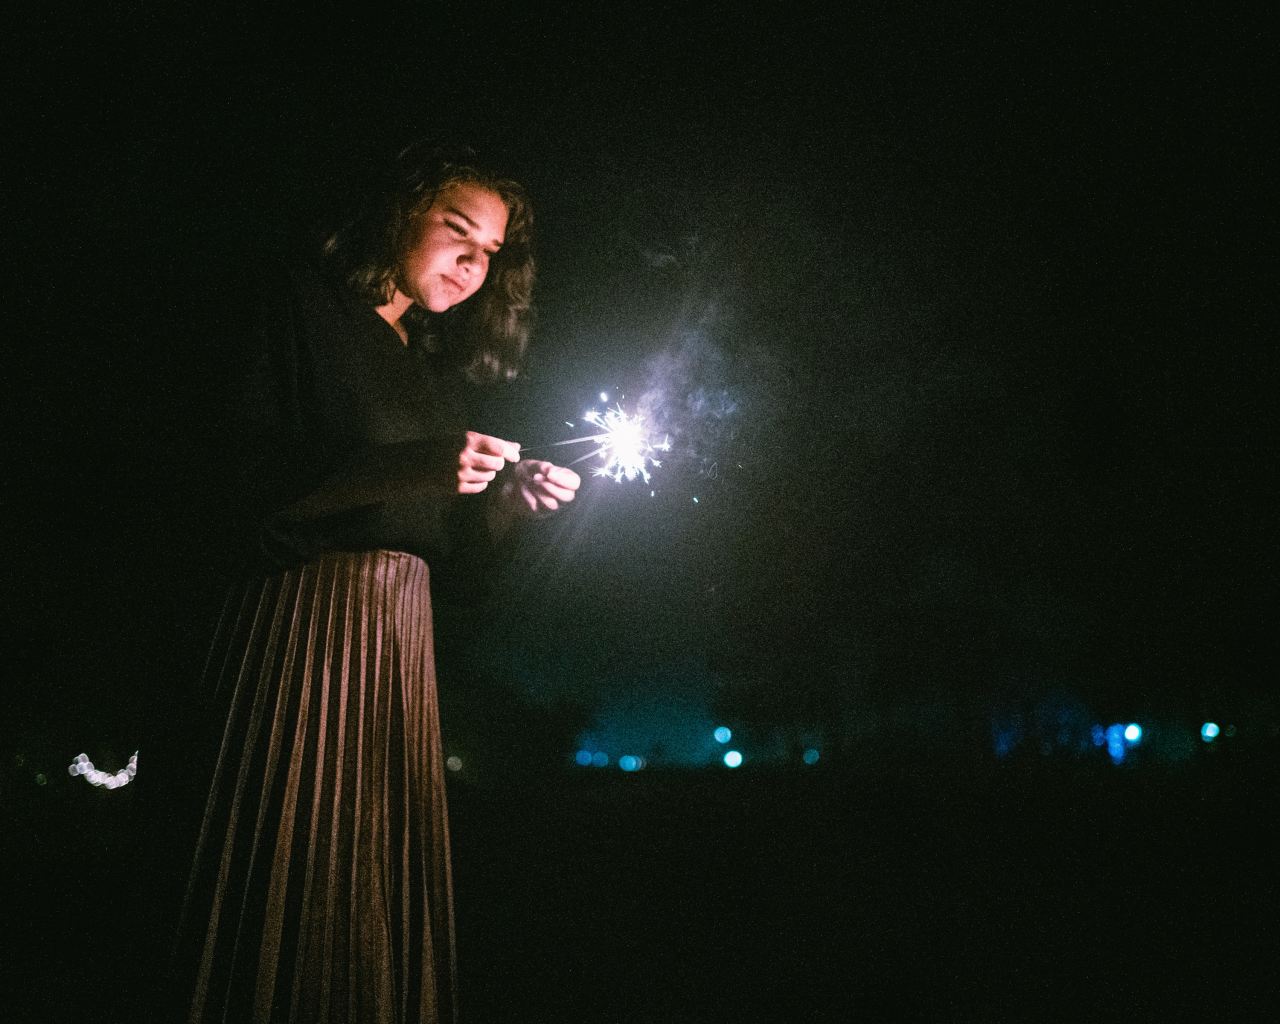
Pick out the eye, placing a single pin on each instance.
(457, 229)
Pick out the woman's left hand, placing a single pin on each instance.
(536, 487)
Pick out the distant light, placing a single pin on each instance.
(600, 759)
(453, 763)
(723, 734)
(732, 758)
(1133, 732)
(811, 756)
(651, 493)
(583, 757)
(1115, 743)
(109, 780)
(629, 763)
(1209, 731)
(1099, 735)
(695, 499)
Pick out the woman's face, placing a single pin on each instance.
(448, 260)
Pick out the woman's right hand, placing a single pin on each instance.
(481, 459)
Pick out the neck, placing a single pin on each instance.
(393, 313)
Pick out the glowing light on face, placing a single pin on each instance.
(625, 446)
(108, 780)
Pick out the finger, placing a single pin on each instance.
(490, 445)
(472, 476)
(550, 490)
(560, 494)
(477, 460)
(564, 477)
(465, 487)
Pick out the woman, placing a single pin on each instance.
(321, 884)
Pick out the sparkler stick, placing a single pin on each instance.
(525, 449)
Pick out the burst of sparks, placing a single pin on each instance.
(625, 445)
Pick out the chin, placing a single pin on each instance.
(439, 303)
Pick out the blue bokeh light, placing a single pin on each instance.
(629, 763)
(600, 759)
(1209, 731)
(1116, 745)
(1133, 733)
(583, 757)
(732, 758)
(723, 734)
(1099, 735)
(811, 756)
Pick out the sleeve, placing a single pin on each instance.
(291, 485)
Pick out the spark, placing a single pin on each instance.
(625, 446)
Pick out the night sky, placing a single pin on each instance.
(958, 321)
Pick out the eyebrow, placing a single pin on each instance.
(474, 226)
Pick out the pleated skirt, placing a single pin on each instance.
(320, 890)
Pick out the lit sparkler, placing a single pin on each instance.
(622, 442)
(625, 445)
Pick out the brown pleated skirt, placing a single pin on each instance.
(321, 890)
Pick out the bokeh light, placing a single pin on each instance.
(1133, 733)
(453, 763)
(1209, 731)
(1116, 745)
(629, 763)
(732, 758)
(723, 734)
(107, 780)
(600, 759)
(811, 756)
(583, 757)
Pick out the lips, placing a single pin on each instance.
(455, 284)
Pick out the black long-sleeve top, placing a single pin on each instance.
(326, 431)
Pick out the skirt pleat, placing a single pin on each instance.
(321, 888)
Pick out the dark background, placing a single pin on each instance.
(961, 322)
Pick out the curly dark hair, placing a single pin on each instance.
(490, 331)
